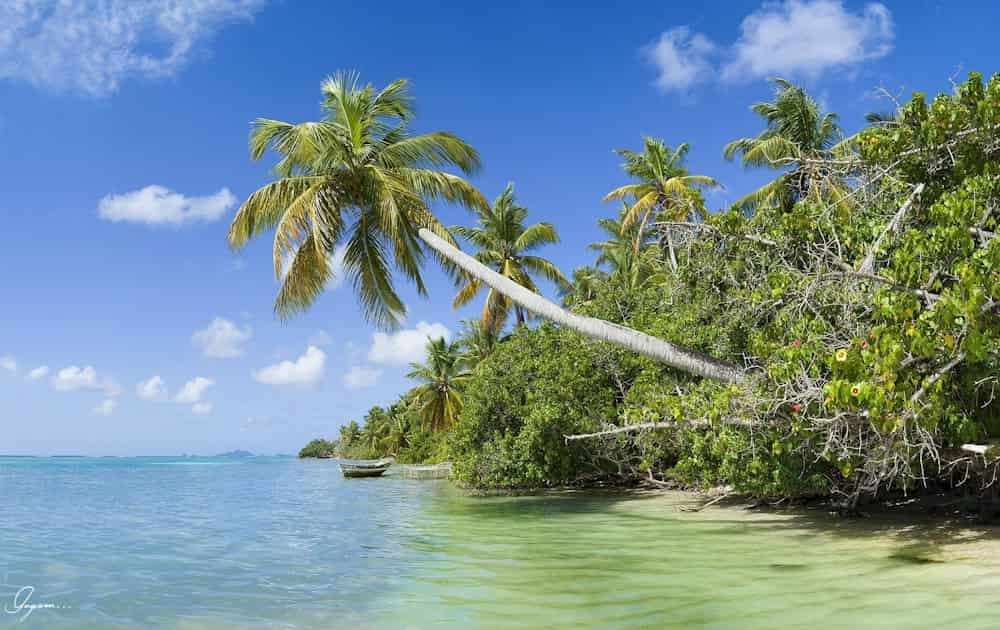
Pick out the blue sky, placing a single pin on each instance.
(127, 326)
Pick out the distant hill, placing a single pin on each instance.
(236, 453)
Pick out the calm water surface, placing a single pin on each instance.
(279, 543)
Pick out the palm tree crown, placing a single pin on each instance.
(503, 242)
(359, 178)
(798, 135)
(441, 377)
(629, 266)
(662, 183)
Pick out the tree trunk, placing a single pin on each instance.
(663, 351)
(670, 248)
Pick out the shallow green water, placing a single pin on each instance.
(278, 543)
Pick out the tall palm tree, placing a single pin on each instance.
(359, 176)
(478, 341)
(662, 186)
(798, 137)
(350, 433)
(630, 266)
(503, 242)
(441, 377)
(583, 287)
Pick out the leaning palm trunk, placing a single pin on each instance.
(658, 349)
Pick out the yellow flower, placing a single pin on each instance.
(856, 391)
(841, 355)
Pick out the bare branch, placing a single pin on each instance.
(868, 264)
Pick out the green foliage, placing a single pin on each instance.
(860, 288)
(319, 448)
(538, 386)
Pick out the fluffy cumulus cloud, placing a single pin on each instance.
(151, 389)
(791, 38)
(308, 369)
(156, 205)
(221, 339)
(7, 363)
(193, 390)
(800, 37)
(91, 46)
(75, 378)
(38, 373)
(682, 58)
(361, 377)
(201, 408)
(405, 346)
(107, 407)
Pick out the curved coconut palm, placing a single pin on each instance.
(358, 176)
(663, 186)
(441, 376)
(799, 136)
(503, 242)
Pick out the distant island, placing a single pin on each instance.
(236, 453)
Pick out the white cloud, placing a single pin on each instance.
(8, 363)
(321, 338)
(405, 346)
(106, 408)
(308, 369)
(38, 373)
(803, 37)
(360, 377)
(74, 378)
(156, 205)
(681, 58)
(789, 38)
(201, 408)
(193, 390)
(151, 389)
(221, 339)
(91, 46)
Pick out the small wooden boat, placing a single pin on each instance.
(373, 468)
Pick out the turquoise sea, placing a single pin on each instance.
(281, 543)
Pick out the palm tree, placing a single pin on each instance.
(629, 265)
(799, 136)
(358, 176)
(397, 436)
(442, 377)
(374, 430)
(478, 340)
(583, 288)
(662, 186)
(350, 433)
(503, 243)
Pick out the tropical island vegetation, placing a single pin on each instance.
(834, 333)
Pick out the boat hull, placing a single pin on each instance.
(351, 472)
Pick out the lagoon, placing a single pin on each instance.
(206, 543)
